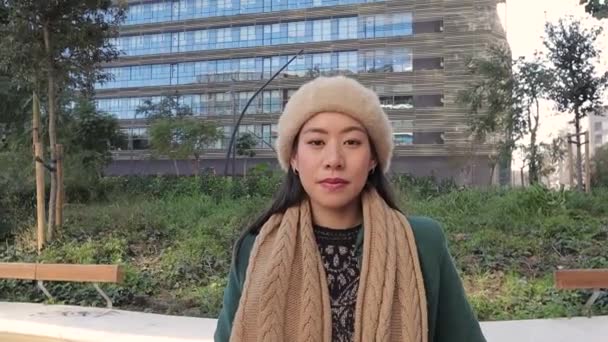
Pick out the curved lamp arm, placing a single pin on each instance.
(236, 127)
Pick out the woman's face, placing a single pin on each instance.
(333, 158)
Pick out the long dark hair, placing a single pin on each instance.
(292, 193)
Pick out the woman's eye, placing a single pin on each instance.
(353, 142)
(315, 142)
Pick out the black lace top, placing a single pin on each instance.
(337, 249)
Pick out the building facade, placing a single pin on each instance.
(214, 54)
(598, 128)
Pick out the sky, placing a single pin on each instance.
(524, 22)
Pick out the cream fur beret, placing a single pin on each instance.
(335, 94)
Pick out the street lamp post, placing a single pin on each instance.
(227, 161)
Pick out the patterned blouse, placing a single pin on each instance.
(337, 249)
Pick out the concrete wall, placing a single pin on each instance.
(462, 170)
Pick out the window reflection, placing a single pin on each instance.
(244, 69)
(397, 102)
(403, 139)
(174, 10)
(304, 31)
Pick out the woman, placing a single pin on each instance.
(334, 259)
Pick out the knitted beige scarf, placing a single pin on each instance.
(286, 298)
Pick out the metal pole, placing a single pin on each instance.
(587, 164)
(238, 122)
(234, 128)
(570, 162)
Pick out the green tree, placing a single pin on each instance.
(175, 133)
(532, 81)
(599, 176)
(489, 99)
(57, 45)
(167, 107)
(245, 145)
(182, 138)
(15, 102)
(577, 87)
(91, 135)
(597, 8)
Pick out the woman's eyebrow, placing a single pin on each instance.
(324, 131)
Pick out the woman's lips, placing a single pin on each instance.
(333, 184)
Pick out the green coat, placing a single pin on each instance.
(450, 317)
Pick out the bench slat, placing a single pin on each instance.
(62, 272)
(17, 271)
(581, 279)
(80, 273)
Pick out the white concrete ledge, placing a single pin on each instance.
(582, 329)
(83, 324)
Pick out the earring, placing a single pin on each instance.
(372, 170)
(295, 171)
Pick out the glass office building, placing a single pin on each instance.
(214, 55)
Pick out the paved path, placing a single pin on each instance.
(74, 323)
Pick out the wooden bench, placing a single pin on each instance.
(64, 272)
(595, 279)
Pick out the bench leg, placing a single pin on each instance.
(44, 290)
(104, 295)
(593, 298)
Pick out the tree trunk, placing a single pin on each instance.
(579, 159)
(245, 168)
(38, 153)
(52, 133)
(492, 173)
(534, 162)
(176, 168)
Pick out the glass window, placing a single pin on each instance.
(347, 28)
(266, 69)
(267, 35)
(396, 102)
(139, 138)
(296, 32)
(403, 139)
(247, 35)
(309, 65)
(279, 33)
(205, 104)
(347, 62)
(168, 10)
(277, 62)
(299, 67)
(243, 98)
(598, 126)
(366, 27)
(251, 6)
(185, 73)
(279, 5)
(402, 60)
(201, 39)
(435, 138)
(382, 26)
(272, 101)
(224, 38)
(267, 134)
(402, 24)
(224, 7)
(276, 101)
(321, 30)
